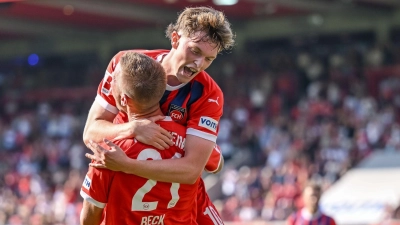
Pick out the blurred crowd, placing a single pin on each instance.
(303, 114)
(293, 112)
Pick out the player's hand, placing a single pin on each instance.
(148, 132)
(112, 159)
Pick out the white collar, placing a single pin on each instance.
(169, 87)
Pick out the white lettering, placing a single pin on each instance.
(177, 116)
(161, 220)
(87, 182)
(149, 220)
(178, 140)
(144, 221)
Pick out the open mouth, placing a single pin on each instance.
(189, 71)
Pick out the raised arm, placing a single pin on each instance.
(99, 125)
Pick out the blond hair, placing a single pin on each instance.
(142, 78)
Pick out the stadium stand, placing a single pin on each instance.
(292, 114)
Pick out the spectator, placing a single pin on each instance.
(310, 213)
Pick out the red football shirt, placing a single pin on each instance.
(131, 199)
(197, 105)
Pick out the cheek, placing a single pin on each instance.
(206, 65)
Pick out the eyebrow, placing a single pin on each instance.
(197, 48)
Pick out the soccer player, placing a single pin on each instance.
(138, 85)
(310, 213)
(192, 99)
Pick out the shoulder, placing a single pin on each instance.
(151, 53)
(171, 125)
(208, 83)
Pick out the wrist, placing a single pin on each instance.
(128, 130)
(128, 165)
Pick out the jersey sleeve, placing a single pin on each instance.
(205, 114)
(214, 161)
(104, 94)
(95, 186)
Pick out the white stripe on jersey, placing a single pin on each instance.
(202, 134)
(91, 200)
(106, 105)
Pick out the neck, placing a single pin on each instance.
(309, 215)
(132, 115)
(173, 81)
(312, 211)
(169, 70)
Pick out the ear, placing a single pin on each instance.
(124, 100)
(175, 39)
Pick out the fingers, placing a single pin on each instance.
(112, 145)
(165, 141)
(95, 161)
(159, 146)
(168, 135)
(97, 165)
(92, 157)
(96, 147)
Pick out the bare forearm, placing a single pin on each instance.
(99, 125)
(172, 170)
(100, 129)
(184, 170)
(90, 215)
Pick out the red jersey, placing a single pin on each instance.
(131, 199)
(301, 217)
(197, 105)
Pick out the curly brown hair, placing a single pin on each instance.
(213, 22)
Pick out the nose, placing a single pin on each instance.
(199, 62)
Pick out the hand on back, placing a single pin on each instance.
(148, 132)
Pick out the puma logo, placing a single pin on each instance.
(213, 100)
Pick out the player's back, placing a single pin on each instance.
(136, 200)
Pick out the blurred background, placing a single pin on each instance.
(312, 92)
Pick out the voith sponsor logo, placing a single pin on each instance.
(208, 123)
(87, 182)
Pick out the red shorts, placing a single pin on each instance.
(207, 214)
